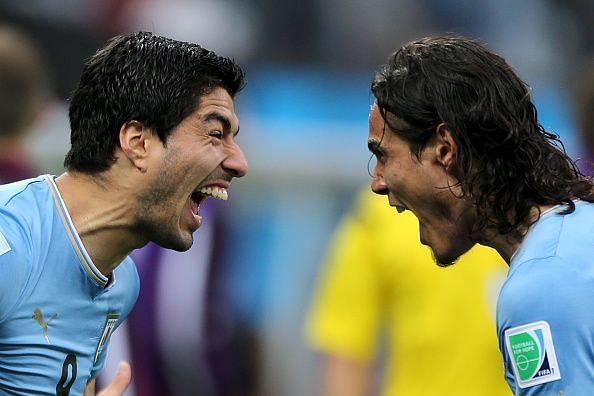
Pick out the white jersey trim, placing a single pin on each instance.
(81, 252)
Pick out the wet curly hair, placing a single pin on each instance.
(507, 163)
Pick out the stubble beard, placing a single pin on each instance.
(443, 261)
(462, 242)
(164, 232)
(157, 219)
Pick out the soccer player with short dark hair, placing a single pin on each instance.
(153, 130)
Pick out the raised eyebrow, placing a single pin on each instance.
(222, 119)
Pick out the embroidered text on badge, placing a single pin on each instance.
(530, 348)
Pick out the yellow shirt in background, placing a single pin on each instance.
(440, 322)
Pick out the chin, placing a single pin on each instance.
(447, 250)
(443, 260)
(180, 241)
(449, 257)
(181, 244)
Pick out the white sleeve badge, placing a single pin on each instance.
(4, 246)
(532, 354)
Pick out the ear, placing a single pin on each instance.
(135, 142)
(446, 148)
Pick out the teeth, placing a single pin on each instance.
(215, 192)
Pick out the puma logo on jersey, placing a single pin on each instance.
(38, 316)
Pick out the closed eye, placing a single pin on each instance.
(216, 134)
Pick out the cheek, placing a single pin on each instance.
(433, 208)
(211, 154)
(408, 186)
(393, 177)
(206, 162)
(200, 163)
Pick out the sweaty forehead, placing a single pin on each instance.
(218, 102)
(218, 98)
(376, 121)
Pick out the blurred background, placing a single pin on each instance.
(303, 118)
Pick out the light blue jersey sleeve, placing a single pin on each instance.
(545, 322)
(15, 263)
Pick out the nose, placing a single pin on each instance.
(378, 184)
(235, 163)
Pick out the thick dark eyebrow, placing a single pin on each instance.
(222, 119)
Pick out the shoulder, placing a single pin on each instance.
(578, 229)
(17, 222)
(16, 264)
(24, 205)
(24, 214)
(543, 307)
(551, 288)
(585, 208)
(567, 235)
(20, 190)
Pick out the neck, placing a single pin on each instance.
(102, 212)
(506, 245)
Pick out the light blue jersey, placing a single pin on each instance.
(57, 310)
(545, 316)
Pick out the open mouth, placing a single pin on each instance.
(200, 195)
(215, 192)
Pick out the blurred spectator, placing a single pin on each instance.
(438, 322)
(227, 27)
(533, 35)
(23, 91)
(360, 33)
(580, 17)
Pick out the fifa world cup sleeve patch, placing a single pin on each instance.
(532, 354)
(4, 246)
